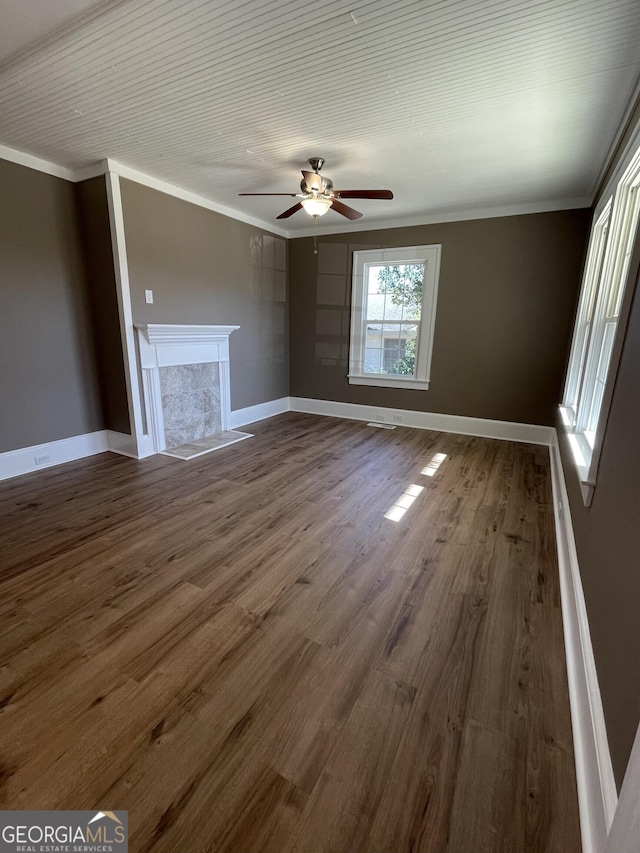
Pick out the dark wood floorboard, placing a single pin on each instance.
(245, 653)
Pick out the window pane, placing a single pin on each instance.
(631, 223)
(583, 351)
(394, 350)
(595, 281)
(375, 306)
(399, 357)
(373, 360)
(374, 336)
(601, 375)
(394, 292)
(372, 278)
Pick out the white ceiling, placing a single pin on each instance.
(459, 106)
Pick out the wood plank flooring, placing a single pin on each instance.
(247, 655)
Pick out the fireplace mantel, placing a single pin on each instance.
(165, 345)
(163, 333)
(162, 344)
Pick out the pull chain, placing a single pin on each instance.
(315, 235)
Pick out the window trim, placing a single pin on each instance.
(428, 255)
(583, 329)
(616, 269)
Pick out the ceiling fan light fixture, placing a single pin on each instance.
(316, 206)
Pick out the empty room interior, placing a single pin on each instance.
(319, 418)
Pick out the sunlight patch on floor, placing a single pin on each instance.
(430, 469)
(402, 504)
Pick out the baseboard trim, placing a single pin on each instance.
(13, 463)
(260, 412)
(625, 829)
(597, 792)
(505, 430)
(121, 443)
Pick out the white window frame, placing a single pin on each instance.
(601, 322)
(362, 260)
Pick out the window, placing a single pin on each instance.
(393, 306)
(584, 323)
(601, 309)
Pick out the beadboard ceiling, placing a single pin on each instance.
(461, 107)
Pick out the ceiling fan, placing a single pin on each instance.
(318, 195)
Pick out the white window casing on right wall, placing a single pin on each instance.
(607, 289)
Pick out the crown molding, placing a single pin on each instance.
(103, 167)
(186, 195)
(614, 150)
(106, 166)
(448, 216)
(37, 163)
(93, 170)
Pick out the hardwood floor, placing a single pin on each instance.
(247, 655)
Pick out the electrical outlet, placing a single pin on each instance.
(380, 417)
(148, 297)
(398, 418)
(42, 460)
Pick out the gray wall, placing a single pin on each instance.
(608, 544)
(507, 293)
(48, 374)
(206, 268)
(98, 258)
(608, 537)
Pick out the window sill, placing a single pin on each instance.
(582, 452)
(389, 381)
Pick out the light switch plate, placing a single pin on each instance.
(148, 297)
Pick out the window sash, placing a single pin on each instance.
(390, 342)
(613, 278)
(584, 324)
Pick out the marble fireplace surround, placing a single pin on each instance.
(167, 345)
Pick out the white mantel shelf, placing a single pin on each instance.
(162, 345)
(163, 333)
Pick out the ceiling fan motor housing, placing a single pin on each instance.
(315, 184)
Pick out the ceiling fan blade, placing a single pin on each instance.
(345, 210)
(313, 180)
(291, 195)
(364, 193)
(290, 212)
